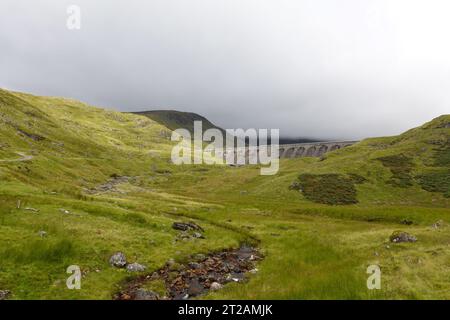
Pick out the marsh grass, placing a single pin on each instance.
(43, 250)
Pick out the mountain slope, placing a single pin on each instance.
(177, 119)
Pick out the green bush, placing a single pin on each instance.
(334, 189)
(435, 182)
(400, 167)
(442, 156)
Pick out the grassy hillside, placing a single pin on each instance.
(98, 182)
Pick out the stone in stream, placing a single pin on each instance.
(118, 260)
(236, 277)
(194, 265)
(142, 294)
(195, 288)
(194, 278)
(215, 286)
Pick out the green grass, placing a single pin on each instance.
(317, 244)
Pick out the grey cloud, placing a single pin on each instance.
(323, 68)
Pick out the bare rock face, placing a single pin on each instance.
(118, 260)
(400, 236)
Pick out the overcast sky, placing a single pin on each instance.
(343, 69)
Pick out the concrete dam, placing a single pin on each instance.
(297, 150)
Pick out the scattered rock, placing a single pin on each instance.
(110, 185)
(31, 209)
(295, 186)
(4, 294)
(189, 230)
(142, 294)
(118, 260)
(407, 222)
(215, 286)
(400, 236)
(42, 234)
(184, 226)
(437, 224)
(194, 265)
(64, 211)
(236, 277)
(198, 235)
(195, 288)
(199, 257)
(136, 267)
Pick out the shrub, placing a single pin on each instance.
(442, 156)
(400, 167)
(356, 178)
(334, 189)
(435, 182)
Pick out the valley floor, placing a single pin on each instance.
(311, 251)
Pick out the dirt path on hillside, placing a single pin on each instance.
(24, 157)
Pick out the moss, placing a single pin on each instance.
(400, 167)
(334, 189)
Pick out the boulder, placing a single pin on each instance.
(400, 236)
(118, 260)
